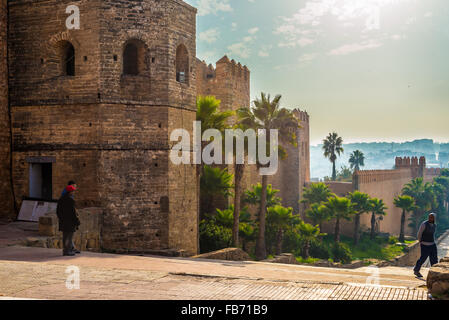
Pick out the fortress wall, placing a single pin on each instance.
(381, 184)
(385, 185)
(6, 196)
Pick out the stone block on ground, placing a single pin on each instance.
(438, 281)
(231, 254)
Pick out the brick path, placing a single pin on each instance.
(40, 274)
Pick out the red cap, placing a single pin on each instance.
(70, 188)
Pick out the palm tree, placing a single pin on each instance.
(316, 193)
(339, 208)
(209, 114)
(253, 196)
(333, 147)
(357, 160)
(318, 214)
(444, 182)
(280, 218)
(267, 114)
(378, 208)
(308, 233)
(214, 182)
(407, 204)
(361, 205)
(424, 198)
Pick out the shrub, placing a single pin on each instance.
(214, 237)
(393, 240)
(341, 253)
(320, 250)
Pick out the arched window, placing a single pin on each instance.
(182, 64)
(68, 59)
(131, 59)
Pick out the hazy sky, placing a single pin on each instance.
(369, 69)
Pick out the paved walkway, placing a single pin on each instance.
(41, 274)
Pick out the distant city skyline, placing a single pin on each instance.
(370, 70)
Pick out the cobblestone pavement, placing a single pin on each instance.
(41, 274)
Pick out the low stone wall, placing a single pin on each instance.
(409, 258)
(87, 237)
(286, 258)
(231, 254)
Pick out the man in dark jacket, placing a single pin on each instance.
(426, 237)
(68, 220)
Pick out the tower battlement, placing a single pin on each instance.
(229, 82)
(407, 162)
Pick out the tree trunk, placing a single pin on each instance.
(337, 230)
(198, 198)
(401, 235)
(238, 175)
(261, 251)
(306, 249)
(280, 235)
(334, 171)
(373, 225)
(356, 229)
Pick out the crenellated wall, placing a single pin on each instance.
(386, 185)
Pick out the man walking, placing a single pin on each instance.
(426, 237)
(68, 220)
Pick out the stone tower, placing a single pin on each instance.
(6, 197)
(294, 170)
(97, 104)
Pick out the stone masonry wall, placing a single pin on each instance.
(106, 130)
(7, 209)
(294, 170)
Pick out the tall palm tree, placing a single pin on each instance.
(444, 182)
(239, 171)
(267, 114)
(424, 198)
(407, 204)
(378, 208)
(253, 196)
(333, 147)
(339, 208)
(361, 205)
(209, 114)
(357, 160)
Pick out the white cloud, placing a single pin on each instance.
(306, 57)
(355, 47)
(206, 7)
(240, 49)
(209, 36)
(265, 51)
(253, 30)
(234, 26)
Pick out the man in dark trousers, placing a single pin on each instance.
(426, 237)
(68, 220)
(71, 183)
